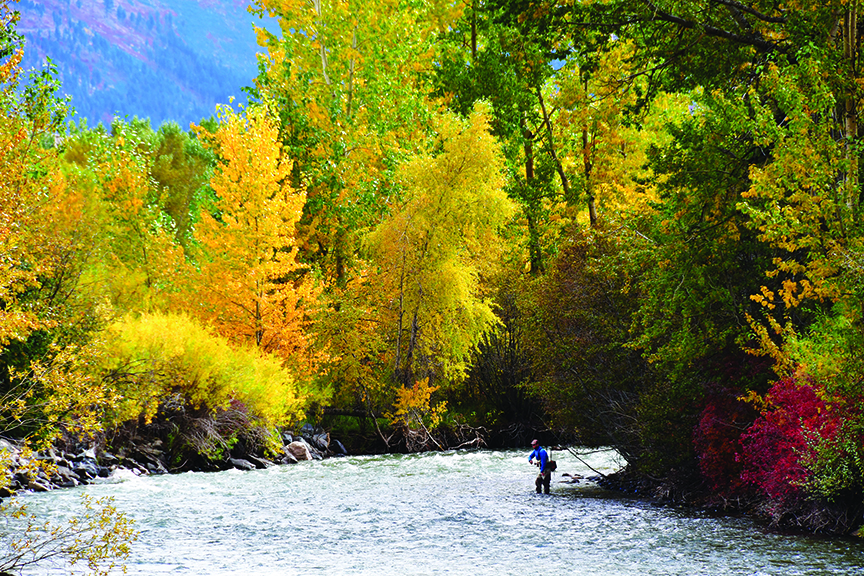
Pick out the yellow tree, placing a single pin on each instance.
(29, 188)
(249, 285)
(138, 256)
(433, 251)
(42, 237)
(38, 217)
(598, 145)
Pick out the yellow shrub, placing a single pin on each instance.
(154, 358)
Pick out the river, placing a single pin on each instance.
(439, 513)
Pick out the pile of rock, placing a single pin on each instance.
(56, 468)
(43, 471)
(311, 444)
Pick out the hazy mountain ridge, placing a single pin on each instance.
(148, 58)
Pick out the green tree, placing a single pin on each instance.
(346, 80)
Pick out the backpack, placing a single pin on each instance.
(551, 466)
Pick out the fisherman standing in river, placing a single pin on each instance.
(545, 476)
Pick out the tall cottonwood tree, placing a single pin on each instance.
(482, 59)
(345, 76)
(433, 250)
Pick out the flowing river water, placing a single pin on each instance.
(438, 513)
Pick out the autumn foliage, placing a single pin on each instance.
(644, 219)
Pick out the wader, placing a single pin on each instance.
(543, 480)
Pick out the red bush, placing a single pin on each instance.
(783, 438)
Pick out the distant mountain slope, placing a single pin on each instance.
(160, 59)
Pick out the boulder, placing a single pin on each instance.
(313, 451)
(85, 470)
(299, 450)
(338, 448)
(241, 464)
(37, 486)
(259, 463)
(151, 457)
(289, 458)
(88, 454)
(321, 441)
(64, 477)
(108, 459)
(48, 456)
(156, 467)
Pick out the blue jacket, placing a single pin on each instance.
(540, 454)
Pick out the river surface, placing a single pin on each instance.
(471, 513)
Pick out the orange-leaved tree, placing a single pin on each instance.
(249, 284)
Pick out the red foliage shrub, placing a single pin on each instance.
(783, 438)
(717, 440)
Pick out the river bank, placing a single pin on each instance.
(70, 462)
(843, 516)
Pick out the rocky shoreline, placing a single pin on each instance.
(72, 463)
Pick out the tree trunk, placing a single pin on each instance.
(559, 167)
(535, 255)
(348, 107)
(473, 31)
(323, 48)
(588, 165)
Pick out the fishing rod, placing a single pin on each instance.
(575, 455)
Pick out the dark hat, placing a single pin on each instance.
(534, 443)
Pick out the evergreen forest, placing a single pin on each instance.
(625, 223)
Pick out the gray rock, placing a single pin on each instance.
(287, 438)
(150, 458)
(259, 463)
(108, 458)
(88, 454)
(241, 464)
(338, 448)
(86, 470)
(313, 451)
(135, 467)
(7, 446)
(156, 467)
(321, 441)
(289, 458)
(64, 471)
(48, 456)
(66, 482)
(37, 486)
